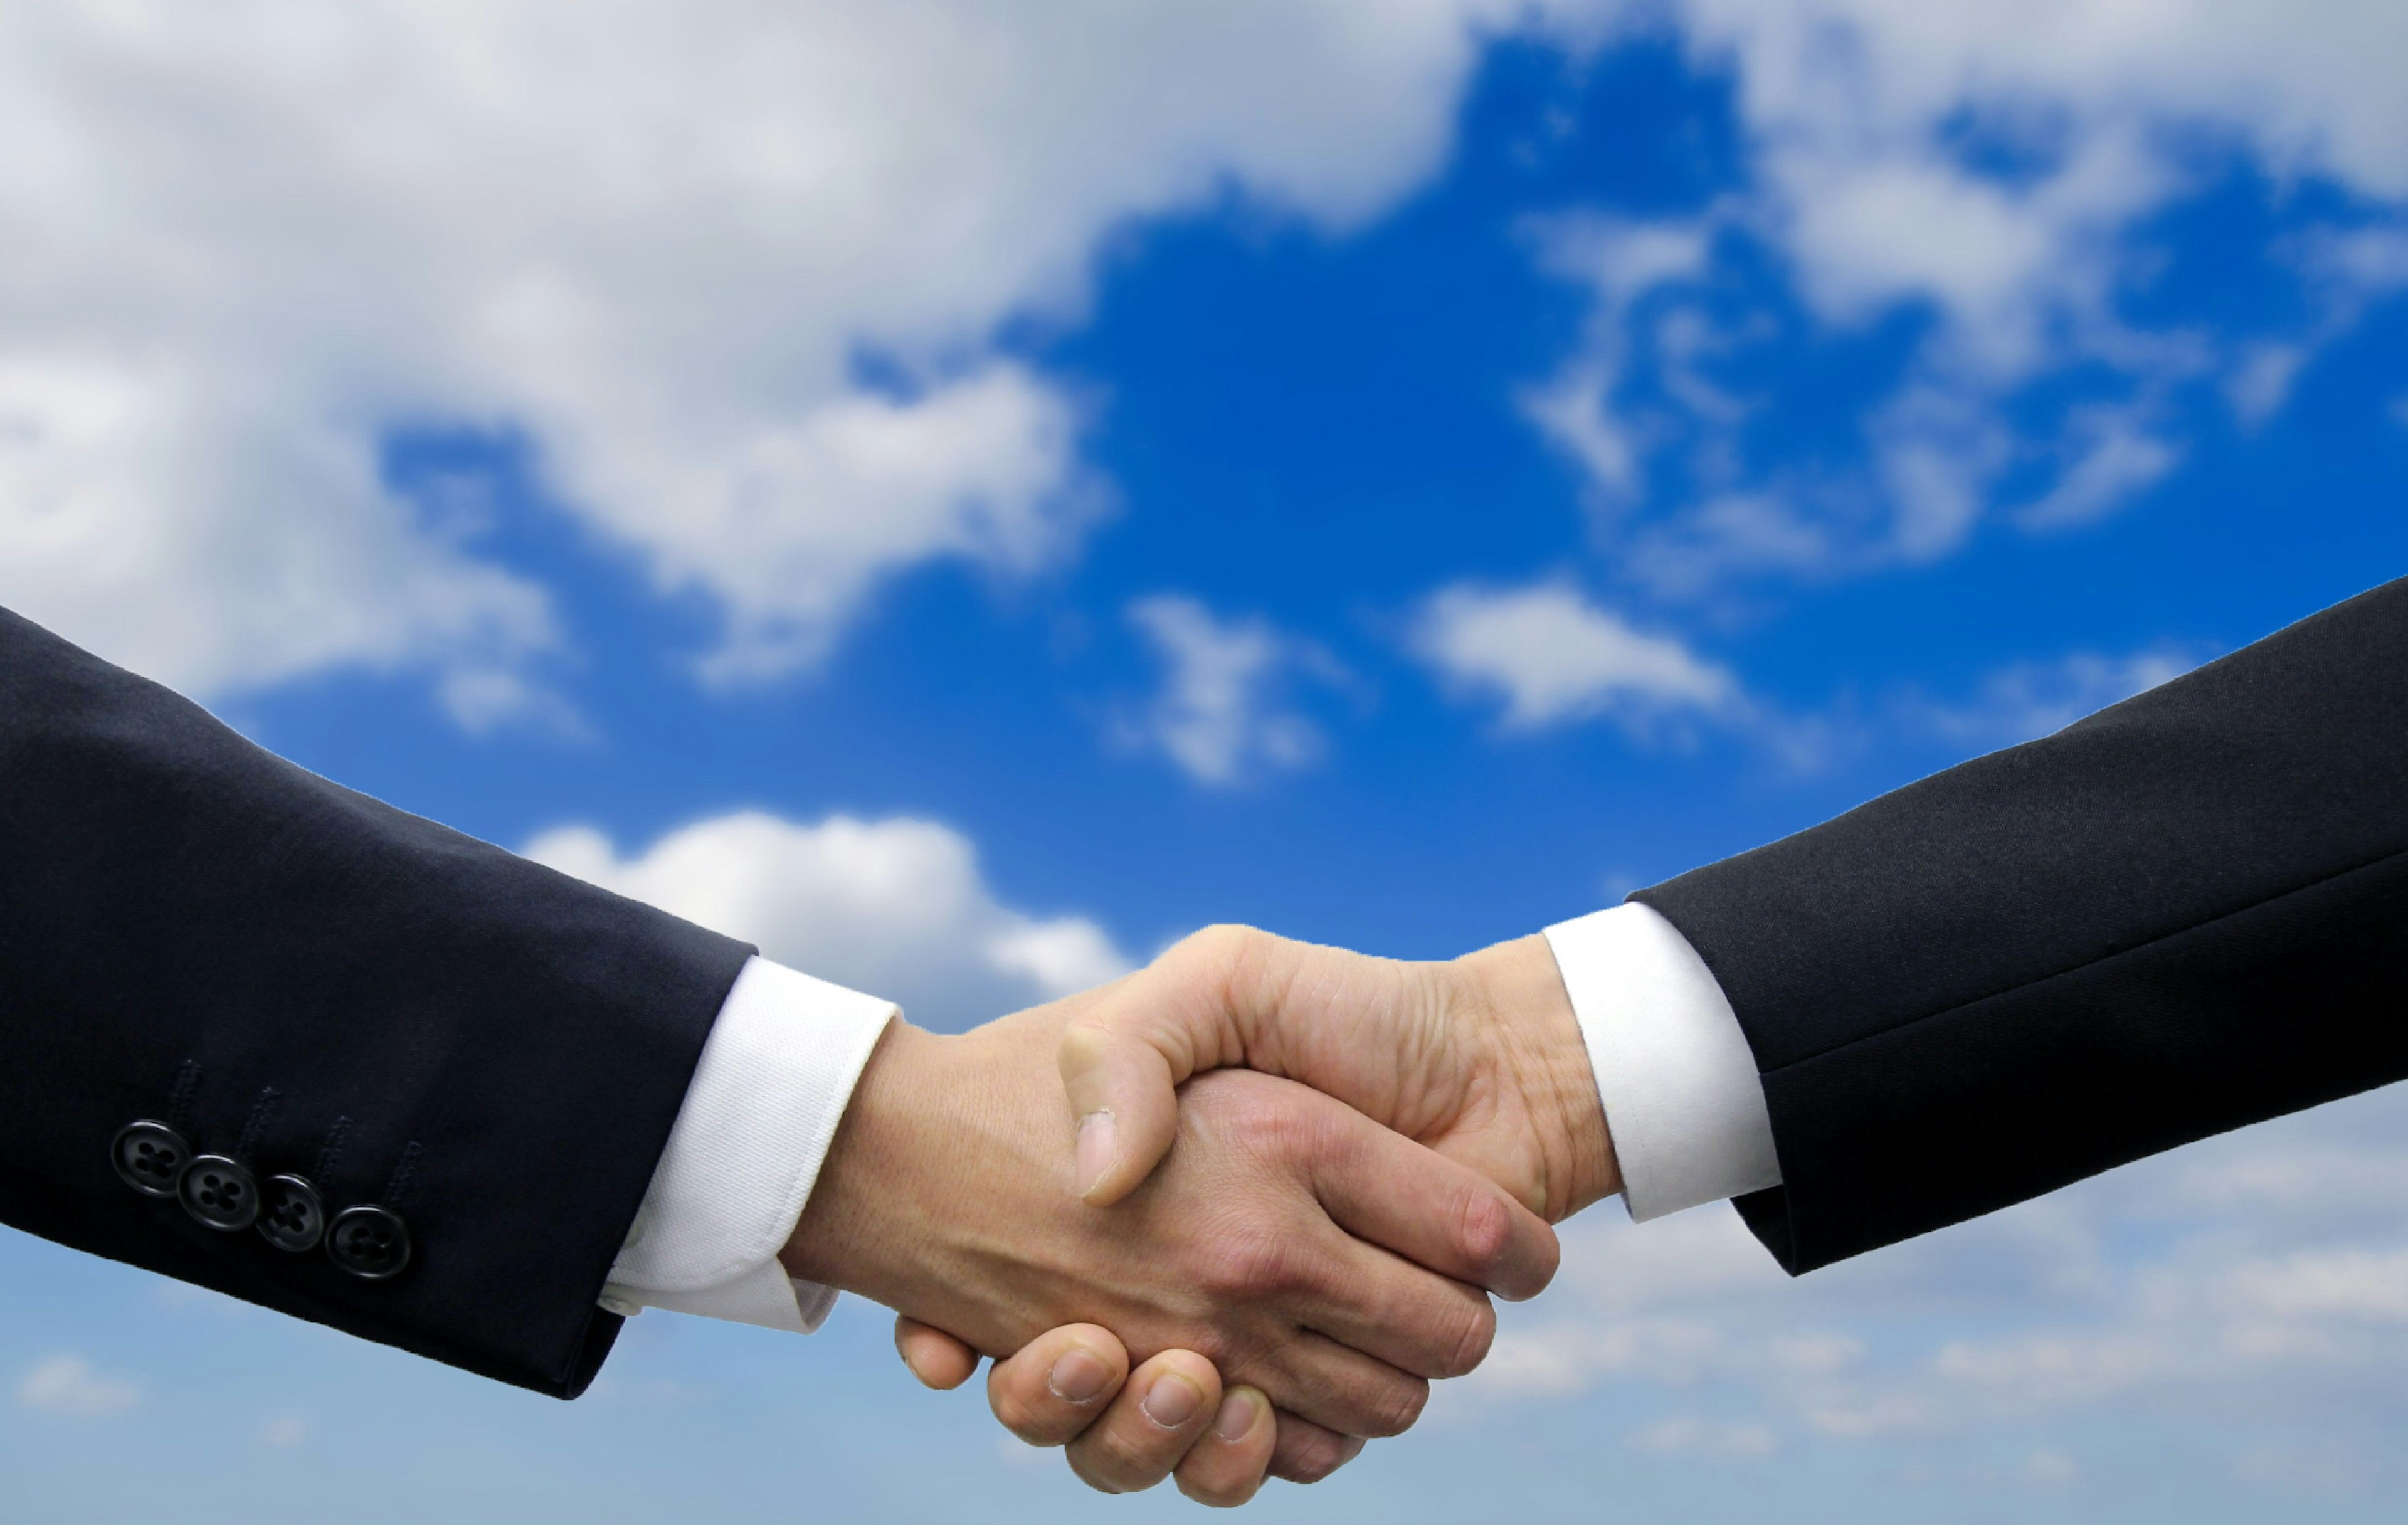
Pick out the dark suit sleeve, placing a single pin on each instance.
(304, 980)
(2182, 914)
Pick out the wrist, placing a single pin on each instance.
(845, 1235)
(1521, 995)
(947, 1189)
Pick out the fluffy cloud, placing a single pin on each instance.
(1695, 1436)
(1619, 262)
(1550, 655)
(736, 274)
(285, 1430)
(2029, 700)
(733, 269)
(2264, 1272)
(897, 907)
(1221, 715)
(1982, 167)
(68, 1384)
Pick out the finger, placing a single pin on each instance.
(1382, 1188)
(1403, 1317)
(1058, 1385)
(935, 1356)
(1123, 1058)
(1225, 1465)
(1306, 1452)
(1123, 1105)
(1167, 1406)
(1340, 1387)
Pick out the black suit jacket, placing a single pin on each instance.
(2182, 914)
(306, 982)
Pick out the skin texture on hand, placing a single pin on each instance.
(1028, 1395)
(1481, 1058)
(947, 1195)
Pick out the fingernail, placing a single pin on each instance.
(1078, 1376)
(1173, 1400)
(1351, 1449)
(1098, 1140)
(1236, 1420)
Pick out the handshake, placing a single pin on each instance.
(1291, 1180)
(1226, 1217)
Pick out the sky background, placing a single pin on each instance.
(961, 495)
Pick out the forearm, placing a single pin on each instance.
(310, 982)
(2066, 955)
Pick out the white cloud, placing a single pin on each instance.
(245, 242)
(1686, 1435)
(1858, 99)
(1982, 166)
(2322, 1467)
(68, 1384)
(896, 907)
(1619, 261)
(2260, 383)
(1221, 715)
(2029, 700)
(2264, 1273)
(244, 246)
(1551, 656)
(2113, 457)
(2051, 1469)
(285, 1430)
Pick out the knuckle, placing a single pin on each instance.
(1222, 945)
(1310, 1459)
(1112, 1460)
(1084, 1467)
(1471, 1342)
(1250, 1266)
(1395, 1407)
(1220, 1348)
(1212, 1495)
(1484, 1231)
(1016, 1411)
(1085, 1041)
(1268, 1129)
(1212, 1492)
(1280, 1128)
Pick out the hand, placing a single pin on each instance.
(1480, 1057)
(947, 1195)
(1112, 1442)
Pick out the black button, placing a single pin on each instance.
(370, 1243)
(290, 1215)
(219, 1192)
(150, 1157)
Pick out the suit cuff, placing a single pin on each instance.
(1682, 1100)
(759, 1114)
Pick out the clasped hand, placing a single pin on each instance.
(1294, 1178)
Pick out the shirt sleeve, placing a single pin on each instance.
(1682, 1100)
(758, 1116)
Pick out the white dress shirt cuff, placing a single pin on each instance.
(775, 1076)
(1682, 1100)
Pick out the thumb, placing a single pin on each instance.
(1123, 1092)
(1124, 1058)
(935, 1356)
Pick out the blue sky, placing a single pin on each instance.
(962, 500)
